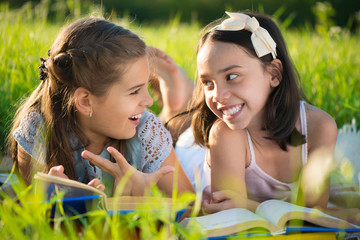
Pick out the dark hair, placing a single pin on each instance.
(282, 107)
(90, 53)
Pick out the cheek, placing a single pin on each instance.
(208, 98)
(210, 104)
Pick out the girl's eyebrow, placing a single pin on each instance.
(228, 68)
(222, 70)
(136, 86)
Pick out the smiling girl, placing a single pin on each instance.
(91, 106)
(251, 115)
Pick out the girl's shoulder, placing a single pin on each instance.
(154, 142)
(150, 124)
(152, 132)
(29, 130)
(319, 119)
(220, 133)
(321, 127)
(29, 124)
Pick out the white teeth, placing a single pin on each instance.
(135, 117)
(232, 111)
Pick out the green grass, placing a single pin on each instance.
(28, 217)
(328, 65)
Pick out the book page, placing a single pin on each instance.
(72, 187)
(280, 212)
(230, 221)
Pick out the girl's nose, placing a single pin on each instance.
(148, 101)
(221, 94)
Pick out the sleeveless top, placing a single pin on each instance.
(260, 185)
(146, 151)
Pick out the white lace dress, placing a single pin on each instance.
(146, 151)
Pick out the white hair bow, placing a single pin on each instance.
(260, 37)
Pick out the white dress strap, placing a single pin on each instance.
(252, 154)
(303, 125)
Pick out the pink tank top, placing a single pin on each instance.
(260, 185)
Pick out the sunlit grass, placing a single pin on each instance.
(328, 64)
(27, 215)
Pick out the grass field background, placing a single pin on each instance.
(327, 59)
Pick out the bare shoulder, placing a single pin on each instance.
(225, 143)
(227, 155)
(322, 128)
(220, 133)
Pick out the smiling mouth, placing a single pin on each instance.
(233, 110)
(135, 117)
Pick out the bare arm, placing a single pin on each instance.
(315, 180)
(166, 182)
(227, 156)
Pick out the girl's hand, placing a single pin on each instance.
(138, 181)
(219, 201)
(58, 171)
(226, 199)
(97, 184)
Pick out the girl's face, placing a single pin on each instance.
(236, 85)
(117, 114)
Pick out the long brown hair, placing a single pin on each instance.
(90, 53)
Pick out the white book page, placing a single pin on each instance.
(67, 182)
(227, 218)
(275, 210)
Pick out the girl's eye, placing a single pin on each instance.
(231, 76)
(135, 92)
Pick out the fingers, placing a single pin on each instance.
(58, 171)
(219, 196)
(158, 53)
(96, 183)
(209, 207)
(99, 161)
(117, 169)
(220, 200)
(120, 160)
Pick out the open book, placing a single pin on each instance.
(80, 198)
(272, 217)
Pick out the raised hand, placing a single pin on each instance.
(170, 84)
(138, 181)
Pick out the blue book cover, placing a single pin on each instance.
(79, 198)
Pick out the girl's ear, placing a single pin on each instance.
(276, 72)
(83, 101)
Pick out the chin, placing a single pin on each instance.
(131, 135)
(128, 135)
(233, 126)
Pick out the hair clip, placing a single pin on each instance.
(43, 73)
(260, 37)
